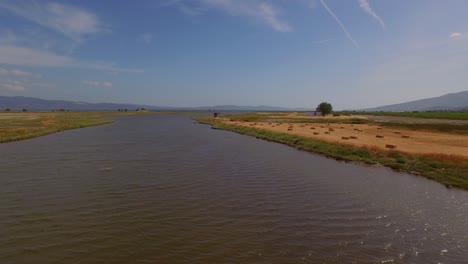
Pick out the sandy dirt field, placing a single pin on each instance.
(416, 142)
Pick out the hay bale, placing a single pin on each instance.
(345, 138)
(353, 137)
(312, 127)
(342, 127)
(331, 129)
(379, 128)
(316, 133)
(404, 136)
(356, 129)
(397, 132)
(390, 146)
(327, 132)
(379, 136)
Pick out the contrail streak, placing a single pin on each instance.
(366, 7)
(340, 24)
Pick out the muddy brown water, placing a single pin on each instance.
(160, 189)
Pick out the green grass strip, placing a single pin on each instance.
(451, 173)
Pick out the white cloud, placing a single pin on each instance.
(367, 8)
(256, 9)
(18, 73)
(106, 84)
(19, 85)
(455, 35)
(270, 15)
(14, 86)
(73, 22)
(322, 41)
(184, 8)
(339, 23)
(15, 55)
(146, 37)
(97, 83)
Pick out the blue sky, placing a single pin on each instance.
(293, 53)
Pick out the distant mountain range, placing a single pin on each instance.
(248, 108)
(37, 104)
(448, 102)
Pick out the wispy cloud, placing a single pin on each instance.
(146, 37)
(270, 15)
(21, 84)
(367, 8)
(263, 11)
(73, 22)
(322, 41)
(339, 23)
(184, 8)
(18, 73)
(22, 56)
(458, 35)
(13, 86)
(15, 55)
(455, 35)
(255, 9)
(105, 84)
(15, 80)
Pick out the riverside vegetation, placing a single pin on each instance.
(450, 170)
(23, 125)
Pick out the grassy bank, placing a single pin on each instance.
(448, 170)
(19, 126)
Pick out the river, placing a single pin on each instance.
(161, 189)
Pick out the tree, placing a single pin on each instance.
(25, 110)
(7, 110)
(325, 108)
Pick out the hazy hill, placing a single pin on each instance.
(248, 108)
(451, 101)
(36, 104)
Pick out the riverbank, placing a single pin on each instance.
(450, 170)
(16, 126)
